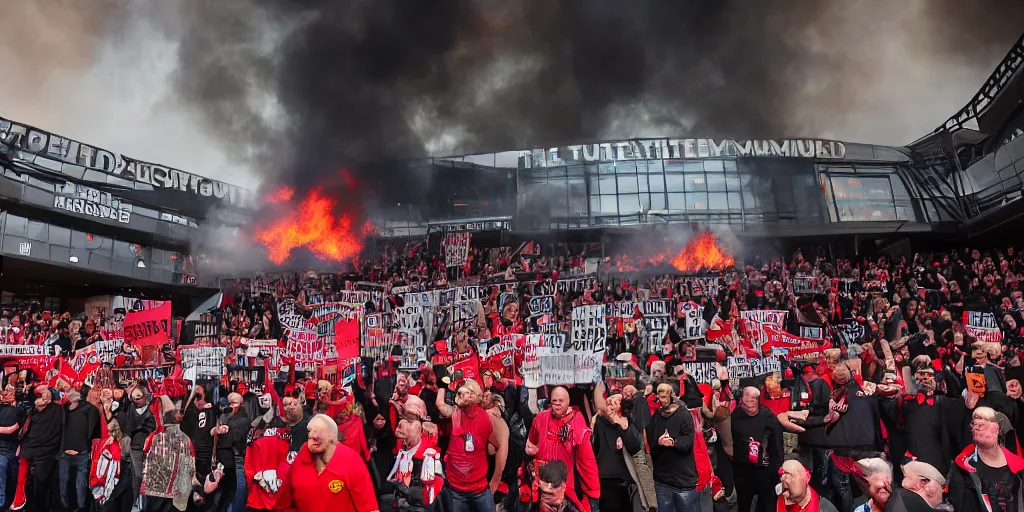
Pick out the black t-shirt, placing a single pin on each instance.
(1000, 485)
(9, 416)
(198, 425)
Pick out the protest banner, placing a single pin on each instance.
(204, 361)
(346, 338)
(148, 327)
(25, 350)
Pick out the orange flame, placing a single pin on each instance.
(281, 195)
(313, 225)
(702, 252)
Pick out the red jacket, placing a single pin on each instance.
(344, 485)
(577, 451)
(266, 457)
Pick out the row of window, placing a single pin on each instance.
(86, 244)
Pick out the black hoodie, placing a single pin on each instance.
(674, 466)
(763, 428)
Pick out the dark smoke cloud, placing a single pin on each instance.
(360, 80)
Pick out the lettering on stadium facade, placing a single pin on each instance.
(683, 149)
(33, 141)
(89, 201)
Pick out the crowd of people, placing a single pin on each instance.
(894, 384)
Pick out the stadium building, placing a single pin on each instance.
(75, 213)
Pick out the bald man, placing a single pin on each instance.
(327, 475)
(757, 445)
(232, 434)
(466, 461)
(795, 495)
(561, 433)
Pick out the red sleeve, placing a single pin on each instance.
(148, 443)
(534, 435)
(364, 450)
(361, 488)
(284, 501)
(251, 458)
(586, 463)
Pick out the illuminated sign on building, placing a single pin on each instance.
(684, 149)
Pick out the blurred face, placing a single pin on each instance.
(879, 487)
(550, 495)
(1013, 389)
(321, 437)
(664, 394)
(614, 403)
(234, 401)
(138, 398)
(925, 487)
(984, 432)
(925, 381)
(43, 397)
(409, 429)
(841, 374)
(559, 402)
(794, 482)
(749, 401)
(979, 355)
(292, 409)
(466, 397)
(511, 311)
(402, 386)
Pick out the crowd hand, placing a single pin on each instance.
(378, 422)
(869, 388)
(666, 440)
(618, 443)
(531, 449)
(493, 486)
(787, 423)
(71, 452)
(972, 399)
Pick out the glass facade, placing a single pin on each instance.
(996, 178)
(862, 184)
(52, 243)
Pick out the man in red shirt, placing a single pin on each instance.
(561, 433)
(466, 462)
(327, 475)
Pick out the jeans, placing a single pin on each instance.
(707, 500)
(8, 468)
(465, 502)
(241, 491)
(840, 483)
(817, 461)
(670, 500)
(80, 465)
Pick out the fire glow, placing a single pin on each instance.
(700, 253)
(311, 224)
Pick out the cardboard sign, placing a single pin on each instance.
(346, 338)
(149, 327)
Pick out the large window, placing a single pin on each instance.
(863, 198)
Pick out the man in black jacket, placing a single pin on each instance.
(231, 439)
(811, 394)
(670, 435)
(82, 425)
(757, 449)
(137, 422)
(39, 448)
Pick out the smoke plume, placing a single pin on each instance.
(252, 91)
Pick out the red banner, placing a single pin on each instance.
(149, 327)
(795, 345)
(346, 338)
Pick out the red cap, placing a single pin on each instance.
(788, 374)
